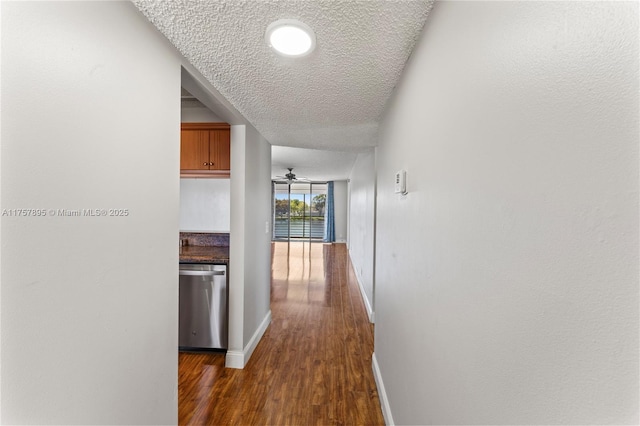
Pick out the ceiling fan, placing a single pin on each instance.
(291, 177)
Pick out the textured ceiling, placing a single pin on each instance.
(331, 99)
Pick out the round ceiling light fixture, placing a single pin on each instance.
(290, 37)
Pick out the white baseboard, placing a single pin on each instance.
(367, 304)
(238, 359)
(234, 359)
(382, 393)
(255, 339)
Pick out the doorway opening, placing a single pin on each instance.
(299, 211)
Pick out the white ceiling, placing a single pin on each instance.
(312, 164)
(331, 99)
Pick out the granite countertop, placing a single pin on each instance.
(204, 247)
(204, 254)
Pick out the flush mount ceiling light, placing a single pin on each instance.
(290, 38)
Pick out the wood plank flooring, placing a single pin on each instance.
(313, 365)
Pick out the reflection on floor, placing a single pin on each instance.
(313, 365)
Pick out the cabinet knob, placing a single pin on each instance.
(211, 164)
(205, 164)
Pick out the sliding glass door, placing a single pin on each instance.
(299, 210)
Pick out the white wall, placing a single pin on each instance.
(340, 209)
(90, 93)
(361, 224)
(507, 278)
(190, 114)
(257, 244)
(205, 205)
(250, 243)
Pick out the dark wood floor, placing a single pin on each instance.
(313, 365)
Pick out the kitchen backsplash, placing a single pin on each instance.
(205, 205)
(205, 239)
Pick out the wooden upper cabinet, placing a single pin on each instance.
(205, 150)
(220, 149)
(194, 149)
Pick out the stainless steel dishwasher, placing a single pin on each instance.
(203, 318)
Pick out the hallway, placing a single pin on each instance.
(313, 365)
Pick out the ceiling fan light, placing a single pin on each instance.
(289, 37)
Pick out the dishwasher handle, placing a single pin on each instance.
(201, 273)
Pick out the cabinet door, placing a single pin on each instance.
(194, 150)
(220, 149)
